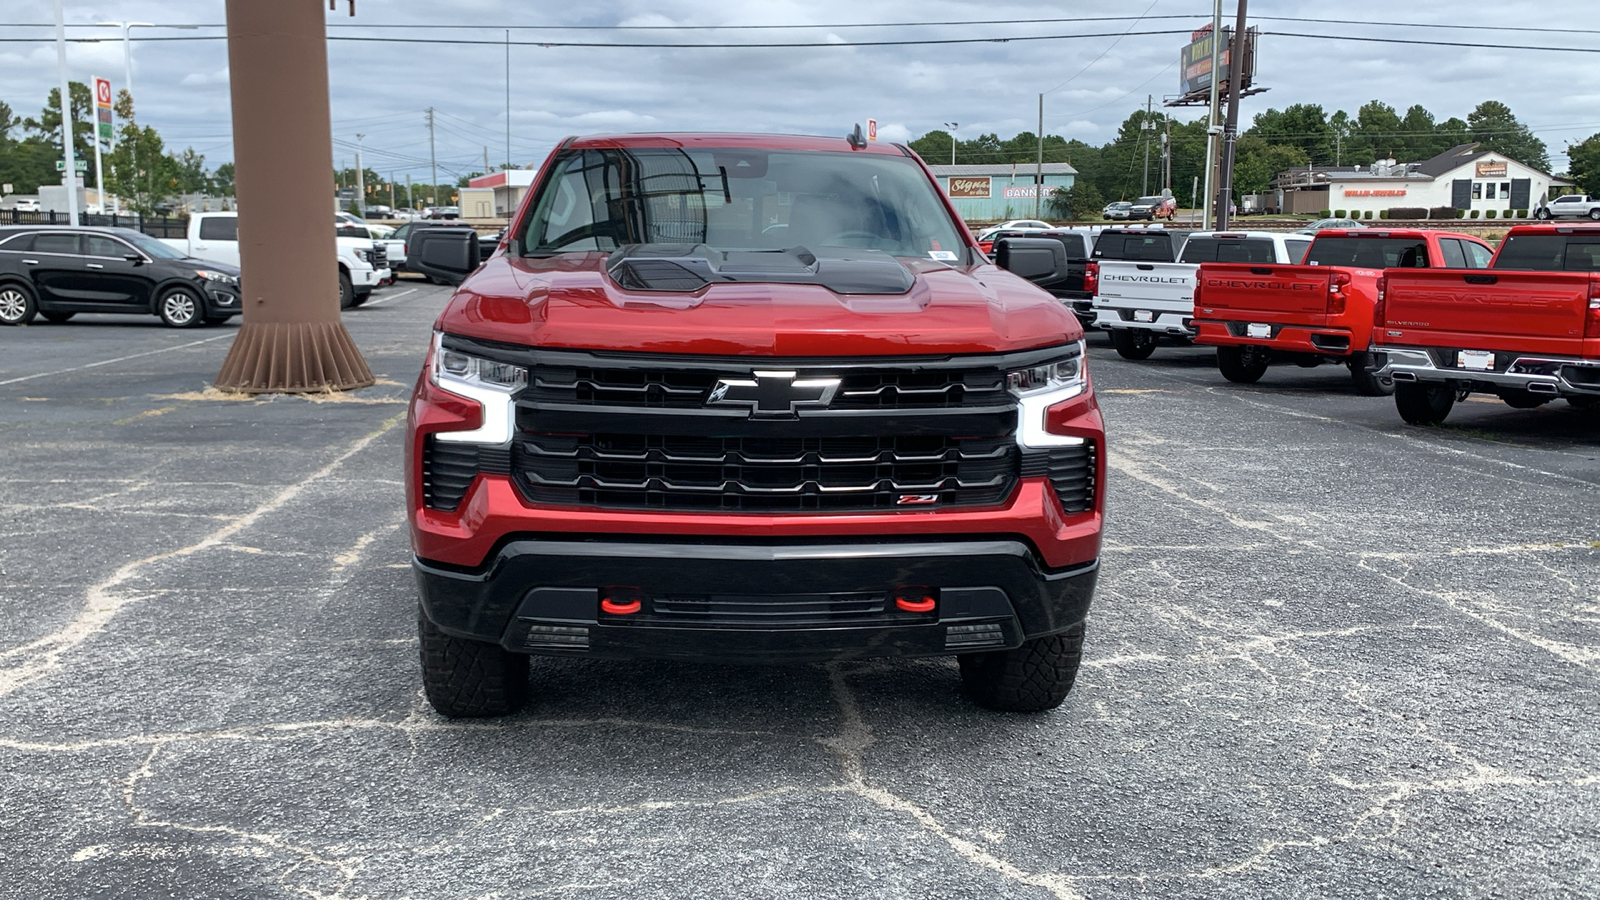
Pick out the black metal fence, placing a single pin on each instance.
(155, 226)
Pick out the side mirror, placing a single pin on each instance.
(448, 254)
(1042, 261)
(134, 258)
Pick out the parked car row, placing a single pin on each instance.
(1427, 316)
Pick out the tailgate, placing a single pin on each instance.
(1161, 287)
(1289, 295)
(1531, 312)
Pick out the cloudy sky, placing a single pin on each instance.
(380, 88)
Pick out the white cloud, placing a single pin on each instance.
(196, 79)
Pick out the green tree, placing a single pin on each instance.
(222, 179)
(1498, 130)
(1374, 135)
(1420, 136)
(1584, 164)
(1303, 125)
(934, 147)
(189, 168)
(1256, 162)
(1080, 202)
(138, 168)
(48, 124)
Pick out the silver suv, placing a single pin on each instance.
(1572, 205)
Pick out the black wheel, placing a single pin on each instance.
(361, 298)
(1242, 365)
(1584, 402)
(1032, 678)
(1368, 384)
(347, 290)
(470, 679)
(1133, 344)
(17, 306)
(57, 317)
(180, 307)
(1524, 399)
(1424, 404)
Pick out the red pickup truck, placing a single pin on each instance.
(1320, 311)
(750, 398)
(1527, 329)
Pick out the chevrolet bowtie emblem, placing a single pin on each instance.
(770, 394)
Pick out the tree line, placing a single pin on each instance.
(1277, 140)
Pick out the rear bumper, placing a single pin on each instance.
(1536, 374)
(766, 601)
(1113, 318)
(1309, 339)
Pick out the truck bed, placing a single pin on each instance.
(1505, 310)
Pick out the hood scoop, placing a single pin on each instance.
(686, 268)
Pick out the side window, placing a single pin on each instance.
(100, 245)
(1297, 250)
(219, 228)
(1478, 255)
(1477, 189)
(19, 244)
(56, 243)
(1454, 258)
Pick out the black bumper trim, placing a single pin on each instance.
(533, 586)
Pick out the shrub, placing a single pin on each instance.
(1384, 213)
(1461, 214)
(1325, 214)
(1337, 214)
(1471, 215)
(1368, 215)
(1522, 214)
(1490, 213)
(1408, 212)
(1443, 212)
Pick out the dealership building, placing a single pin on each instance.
(1466, 177)
(993, 193)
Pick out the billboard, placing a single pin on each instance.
(1195, 61)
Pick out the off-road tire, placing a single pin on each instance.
(1132, 343)
(17, 306)
(180, 307)
(56, 318)
(1367, 382)
(1242, 365)
(1424, 404)
(1032, 678)
(470, 679)
(347, 290)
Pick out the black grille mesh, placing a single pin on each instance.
(668, 388)
(1071, 471)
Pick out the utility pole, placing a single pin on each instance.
(69, 174)
(1211, 114)
(433, 161)
(952, 126)
(508, 109)
(486, 160)
(361, 181)
(391, 193)
(410, 204)
(1148, 128)
(1038, 166)
(1166, 155)
(1235, 88)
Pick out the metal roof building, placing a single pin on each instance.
(998, 191)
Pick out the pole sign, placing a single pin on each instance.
(1195, 62)
(872, 129)
(102, 107)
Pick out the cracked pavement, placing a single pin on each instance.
(1331, 656)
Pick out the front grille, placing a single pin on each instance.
(910, 387)
(760, 474)
(380, 256)
(1071, 471)
(766, 611)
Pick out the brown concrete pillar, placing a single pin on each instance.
(291, 340)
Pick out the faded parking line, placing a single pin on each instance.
(108, 362)
(390, 297)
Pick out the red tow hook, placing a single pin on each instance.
(621, 601)
(914, 599)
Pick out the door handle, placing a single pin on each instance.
(96, 266)
(31, 262)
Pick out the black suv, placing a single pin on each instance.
(56, 272)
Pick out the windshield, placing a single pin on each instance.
(740, 199)
(1549, 253)
(151, 246)
(1369, 253)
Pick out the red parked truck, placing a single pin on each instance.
(750, 398)
(1320, 311)
(1527, 329)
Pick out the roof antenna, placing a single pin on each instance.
(858, 141)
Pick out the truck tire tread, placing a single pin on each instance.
(1034, 677)
(1133, 344)
(470, 679)
(1424, 404)
(1232, 363)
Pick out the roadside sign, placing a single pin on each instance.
(872, 129)
(79, 165)
(102, 103)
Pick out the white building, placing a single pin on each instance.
(1465, 177)
(497, 194)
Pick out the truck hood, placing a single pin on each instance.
(572, 301)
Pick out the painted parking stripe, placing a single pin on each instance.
(108, 362)
(388, 298)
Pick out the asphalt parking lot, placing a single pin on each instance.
(1331, 656)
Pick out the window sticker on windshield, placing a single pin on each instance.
(942, 255)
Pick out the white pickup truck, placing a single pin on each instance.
(1142, 302)
(363, 265)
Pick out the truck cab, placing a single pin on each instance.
(363, 265)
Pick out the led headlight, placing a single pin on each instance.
(218, 277)
(1039, 387)
(492, 384)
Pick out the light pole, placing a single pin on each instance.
(127, 76)
(952, 126)
(69, 171)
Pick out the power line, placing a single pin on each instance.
(1106, 50)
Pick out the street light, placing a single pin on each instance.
(127, 74)
(952, 126)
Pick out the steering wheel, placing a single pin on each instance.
(838, 239)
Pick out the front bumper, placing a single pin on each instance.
(1556, 376)
(367, 277)
(756, 601)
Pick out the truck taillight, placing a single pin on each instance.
(1337, 283)
(1091, 277)
(1591, 322)
(1380, 309)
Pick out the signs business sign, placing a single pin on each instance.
(971, 187)
(102, 107)
(1491, 169)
